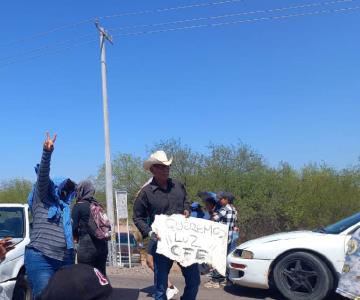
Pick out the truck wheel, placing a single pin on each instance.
(22, 290)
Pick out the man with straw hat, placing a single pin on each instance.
(163, 196)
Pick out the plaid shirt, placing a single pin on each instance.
(226, 215)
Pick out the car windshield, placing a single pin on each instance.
(124, 239)
(11, 222)
(341, 225)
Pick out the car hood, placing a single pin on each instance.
(13, 261)
(279, 237)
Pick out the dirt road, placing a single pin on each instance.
(137, 284)
(139, 287)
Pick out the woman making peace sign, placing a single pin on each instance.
(51, 245)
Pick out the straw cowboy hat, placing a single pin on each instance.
(157, 158)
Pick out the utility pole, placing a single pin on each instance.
(108, 170)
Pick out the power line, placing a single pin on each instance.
(56, 51)
(232, 15)
(240, 21)
(318, 12)
(160, 10)
(49, 46)
(45, 33)
(85, 21)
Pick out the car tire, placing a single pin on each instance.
(302, 275)
(22, 290)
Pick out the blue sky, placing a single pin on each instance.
(288, 87)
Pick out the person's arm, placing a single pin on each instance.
(2, 252)
(218, 215)
(140, 214)
(187, 206)
(43, 178)
(6, 245)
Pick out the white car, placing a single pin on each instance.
(14, 222)
(302, 264)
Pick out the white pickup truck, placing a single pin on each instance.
(14, 222)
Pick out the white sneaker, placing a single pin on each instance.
(171, 292)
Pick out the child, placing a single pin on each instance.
(226, 214)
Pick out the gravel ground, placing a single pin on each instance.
(143, 269)
(137, 284)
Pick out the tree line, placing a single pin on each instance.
(268, 199)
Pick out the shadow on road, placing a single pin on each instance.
(128, 294)
(149, 290)
(237, 290)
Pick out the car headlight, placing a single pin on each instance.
(243, 254)
(247, 254)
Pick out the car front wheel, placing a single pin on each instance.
(303, 276)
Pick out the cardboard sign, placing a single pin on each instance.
(192, 240)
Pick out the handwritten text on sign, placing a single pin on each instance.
(192, 240)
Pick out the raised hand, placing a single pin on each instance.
(49, 143)
(186, 213)
(5, 246)
(2, 252)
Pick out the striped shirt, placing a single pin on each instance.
(46, 235)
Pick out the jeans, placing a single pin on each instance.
(162, 266)
(234, 240)
(40, 269)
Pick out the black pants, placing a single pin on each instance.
(92, 252)
(96, 261)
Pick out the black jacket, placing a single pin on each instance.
(80, 217)
(153, 200)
